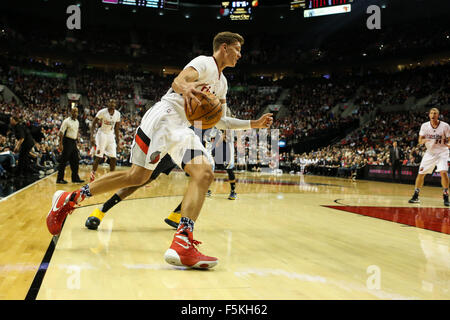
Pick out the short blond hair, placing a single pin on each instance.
(226, 37)
(435, 109)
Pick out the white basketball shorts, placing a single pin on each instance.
(163, 131)
(105, 144)
(431, 160)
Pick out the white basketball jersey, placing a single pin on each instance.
(208, 71)
(435, 136)
(108, 121)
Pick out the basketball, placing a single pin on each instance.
(208, 111)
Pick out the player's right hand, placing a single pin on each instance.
(190, 92)
(265, 121)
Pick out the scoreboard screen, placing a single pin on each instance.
(237, 10)
(314, 4)
(325, 11)
(315, 8)
(160, 4)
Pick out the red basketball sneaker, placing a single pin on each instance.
(183, 253)
(63, 203)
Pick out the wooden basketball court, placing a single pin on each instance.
(285, 237)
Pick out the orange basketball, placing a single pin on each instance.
(208, 111)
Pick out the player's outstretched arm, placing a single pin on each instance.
(265, 121)
(225, 122)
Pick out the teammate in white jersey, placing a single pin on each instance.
(164, 129)
(107, 137)
(434, 134)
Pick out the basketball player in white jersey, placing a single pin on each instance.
(434, 134)
(107, 137)
(164, 129)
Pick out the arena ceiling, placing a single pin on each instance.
(268, 16)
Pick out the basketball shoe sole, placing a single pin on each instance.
(182, 253)
(172, 257)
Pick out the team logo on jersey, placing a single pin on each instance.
(206, 88)
(421, 169)
(154, 157)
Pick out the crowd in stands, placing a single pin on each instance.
(369, 145)
(43, 114)
(309, 113)
(309, 109)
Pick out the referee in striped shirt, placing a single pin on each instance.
(68, 135)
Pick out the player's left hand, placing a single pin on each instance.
(265, 121)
